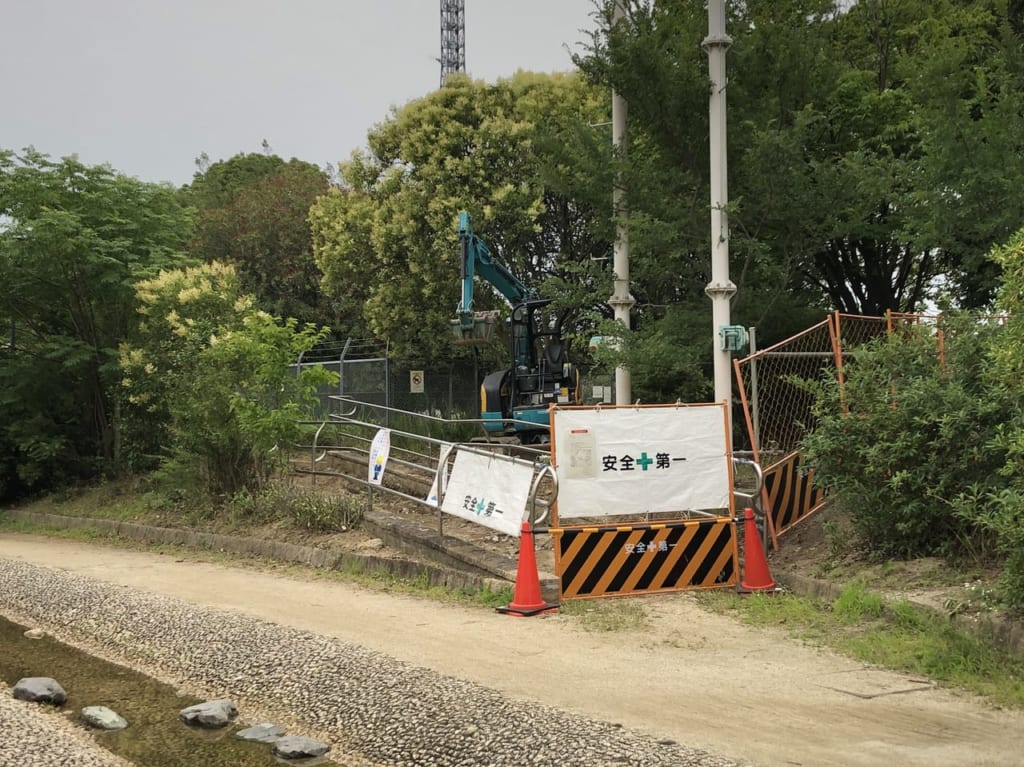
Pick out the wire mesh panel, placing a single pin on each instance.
(777, 408)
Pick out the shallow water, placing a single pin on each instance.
(155, 736)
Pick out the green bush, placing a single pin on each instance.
(997, 504)
(208, 375)
(906, 435)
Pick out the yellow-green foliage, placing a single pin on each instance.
(388, 240)
(209, 378)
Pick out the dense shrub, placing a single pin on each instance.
(906, 434)
(925, 450)
(997, 504)
(209, 376)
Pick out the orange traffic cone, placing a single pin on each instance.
(756, 576)
(526, 600)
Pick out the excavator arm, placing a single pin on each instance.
(477, 260)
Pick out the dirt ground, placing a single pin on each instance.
(754, 695)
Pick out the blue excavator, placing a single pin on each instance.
(514, 402)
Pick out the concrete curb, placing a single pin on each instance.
(280, 551)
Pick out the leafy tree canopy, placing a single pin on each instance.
(872, 152)
(258, 221)
(73, 240)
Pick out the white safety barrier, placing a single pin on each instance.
(634, 460)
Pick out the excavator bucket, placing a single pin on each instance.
(480, 333)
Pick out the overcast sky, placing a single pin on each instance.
(148, 85)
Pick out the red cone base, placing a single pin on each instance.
(756, 576)
(526, 599)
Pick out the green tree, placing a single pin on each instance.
(215, 185)
(966, 79)
(73, 240)
(262, 229)
(387, 241)
(872, 152)
(215, 371)
(252, 211)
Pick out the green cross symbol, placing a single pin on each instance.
(643, 461)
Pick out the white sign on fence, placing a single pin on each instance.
(624, 461)
(379, 450)
(489, 491)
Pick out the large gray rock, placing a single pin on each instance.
(40, 689)
(261, 733)
(103, 718)
(211, 714)
(299, 747)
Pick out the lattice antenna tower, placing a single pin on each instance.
(453, 37)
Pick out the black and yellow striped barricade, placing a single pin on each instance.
(789, 493)
(621, 560)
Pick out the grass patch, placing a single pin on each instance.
(119, 500)
(607, 614)
(129, 501)
(85, 533)
(896, 635)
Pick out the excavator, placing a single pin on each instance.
(514, 401)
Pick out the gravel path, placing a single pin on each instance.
(365, 703)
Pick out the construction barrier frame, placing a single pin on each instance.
(693, 550)
(789, 494)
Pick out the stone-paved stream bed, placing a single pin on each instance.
(155, 736)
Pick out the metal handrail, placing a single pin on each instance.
(758, 473)
(438, 419)
(546, 469)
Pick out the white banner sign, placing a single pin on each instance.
(619, 461)
(379, 450)
(489, 491)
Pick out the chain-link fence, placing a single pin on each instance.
(366, 373)
(777, 408)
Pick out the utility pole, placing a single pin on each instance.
(721, 289)
(622, 300)
(453, 37)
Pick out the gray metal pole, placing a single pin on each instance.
(720, 289)
(755, 416)
(622, 300)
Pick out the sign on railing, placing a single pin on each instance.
(379, 451)
(489, 490)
